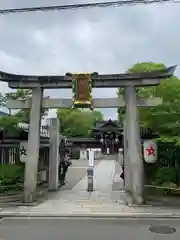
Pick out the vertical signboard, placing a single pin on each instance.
(62, 148)
(82, 90)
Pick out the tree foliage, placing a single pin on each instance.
(10, 122)
(76, 122)
(7, 122)
(165, 118)
(23, 94)
(3, 100)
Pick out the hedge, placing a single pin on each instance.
(11, 178)
(164, 180)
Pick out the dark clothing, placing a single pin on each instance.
(63, 168)
(62, 173)
(122, 174)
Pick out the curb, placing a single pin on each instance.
(91, 215)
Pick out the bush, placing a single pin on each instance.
(149, 171)
(11, 177)
(165, 180)
(164, 175)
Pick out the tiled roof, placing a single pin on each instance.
(101, 124)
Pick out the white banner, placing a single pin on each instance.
(83, 154)
(91, 158)
(150, 151)
(23, 151)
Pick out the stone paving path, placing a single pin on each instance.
(103, 177)
(78, 200)
(104, 200)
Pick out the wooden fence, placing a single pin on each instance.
(10, 154)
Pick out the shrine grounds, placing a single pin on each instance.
(76, 173)
(73, 200)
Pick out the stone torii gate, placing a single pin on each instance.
(132, 146)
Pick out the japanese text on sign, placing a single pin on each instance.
(82, 88)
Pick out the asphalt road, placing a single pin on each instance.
(85, 229)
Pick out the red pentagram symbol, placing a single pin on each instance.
(150, 150)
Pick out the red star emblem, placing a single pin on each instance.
(150, 150)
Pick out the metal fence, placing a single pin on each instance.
(168, 155)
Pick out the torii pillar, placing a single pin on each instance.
(31, 166)
(54, 158)
(126, 162)
(135, 161)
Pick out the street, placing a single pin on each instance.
(87, 229)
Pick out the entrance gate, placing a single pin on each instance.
(132, 145)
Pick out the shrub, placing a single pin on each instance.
(11, 177)
(149, 171)
(164, 175)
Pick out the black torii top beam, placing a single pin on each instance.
(107, 80)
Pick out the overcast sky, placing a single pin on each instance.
(107, 40)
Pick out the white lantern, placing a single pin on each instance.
(150, 151)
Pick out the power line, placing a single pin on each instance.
(83, 6)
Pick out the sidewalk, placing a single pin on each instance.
(100, 203)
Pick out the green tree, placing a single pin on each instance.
(22, 94)
(10, 123)
(3, 100)
(7, 123)
(165, 118)
(76, 122)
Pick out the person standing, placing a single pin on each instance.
(121, 155)
(64, 165)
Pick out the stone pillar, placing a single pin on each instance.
(134, 146)
(31, 166)
(127, 166)
(90, 171)
(54, 154)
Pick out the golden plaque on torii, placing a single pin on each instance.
(82, 90)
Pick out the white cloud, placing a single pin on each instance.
(103, 40)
